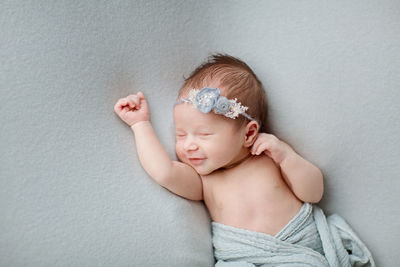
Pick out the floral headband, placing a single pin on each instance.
(208, 99)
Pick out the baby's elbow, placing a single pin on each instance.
(313, 198)
(316, 196)
(314, 192)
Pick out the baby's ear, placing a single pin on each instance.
(251, 133)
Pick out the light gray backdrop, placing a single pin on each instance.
(72, 192)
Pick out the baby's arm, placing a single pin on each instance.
(304, 178)
(177, 177)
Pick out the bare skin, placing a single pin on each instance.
(251, 196)
(247, 179)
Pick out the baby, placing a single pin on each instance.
(252, 183)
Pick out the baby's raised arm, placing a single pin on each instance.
(304, 178)
(177, 177)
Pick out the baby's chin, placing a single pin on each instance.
(202, 171)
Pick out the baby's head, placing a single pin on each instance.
(235, 79)
(211, 140)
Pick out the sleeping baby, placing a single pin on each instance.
(257, 189)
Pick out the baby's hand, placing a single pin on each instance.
(271, 146)
(132, 109)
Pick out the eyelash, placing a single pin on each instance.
(200, 134)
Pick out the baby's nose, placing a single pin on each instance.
(190, 145)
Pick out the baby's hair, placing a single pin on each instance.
(235, 79)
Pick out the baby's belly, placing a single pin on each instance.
(261, 215)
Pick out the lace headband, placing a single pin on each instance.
(208, 99)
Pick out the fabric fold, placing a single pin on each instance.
(309, 239)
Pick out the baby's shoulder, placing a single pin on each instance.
(260, 162)
(257, 165)
(261, 166)
(254, 166)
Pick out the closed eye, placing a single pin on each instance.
(205, 134)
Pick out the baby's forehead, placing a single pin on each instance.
(186, 114)
(188, 111)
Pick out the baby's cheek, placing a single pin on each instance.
(180, 157)
(179, 152)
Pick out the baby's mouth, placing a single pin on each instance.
(196, 161)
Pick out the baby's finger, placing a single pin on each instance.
(259, 149)
(255, 147)
(123, 102)
(120, 105)
(262, 148)
(133, 100)
(143, 101)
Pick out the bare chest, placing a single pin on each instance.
(253, 197)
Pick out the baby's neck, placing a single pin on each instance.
(242, 158)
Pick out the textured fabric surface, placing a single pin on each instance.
(309, 239)
(72, 191)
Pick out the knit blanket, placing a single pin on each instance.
(309, 239)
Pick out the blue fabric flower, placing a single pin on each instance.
(206, 99)
(222, 106)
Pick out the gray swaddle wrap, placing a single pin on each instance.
(309, 239)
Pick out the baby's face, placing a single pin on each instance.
(206, 142)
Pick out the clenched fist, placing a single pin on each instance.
(132, 109)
